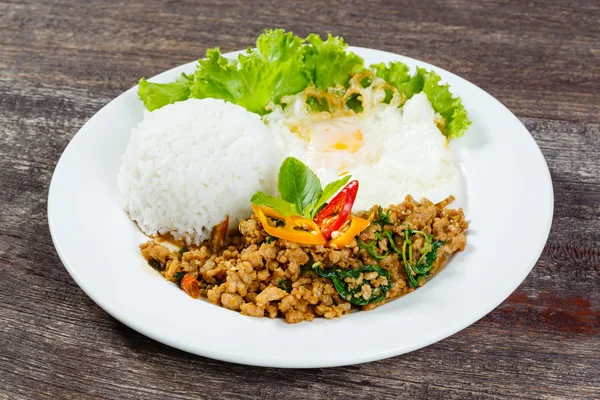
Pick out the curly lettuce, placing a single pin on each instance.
(448, 106)
(283, 64)
(397, 75)
(443, 102)
(274, 69)
(157, 95)
(329, 63)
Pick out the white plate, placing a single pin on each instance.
(509, 206)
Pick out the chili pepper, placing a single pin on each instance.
(295, 228)
(356, 226)
(190, 286)
(340, 276)
(334, 214)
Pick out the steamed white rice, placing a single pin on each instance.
(191, 163)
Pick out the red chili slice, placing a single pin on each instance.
(334, 214)
(190, 285)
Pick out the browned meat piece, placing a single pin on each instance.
(260, 277)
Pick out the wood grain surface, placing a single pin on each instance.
(61, 61)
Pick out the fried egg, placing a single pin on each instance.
(391, 151)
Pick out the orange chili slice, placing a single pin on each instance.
(295, 228)
(357, 225)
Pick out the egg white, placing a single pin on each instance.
(391, 151)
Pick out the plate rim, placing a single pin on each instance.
(393, 351)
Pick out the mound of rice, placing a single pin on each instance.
(189, 164)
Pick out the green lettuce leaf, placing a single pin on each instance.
(282, 65)
(157, 95)
(428, 82)
(273, 70)
(329, 63)
(397, 75)
(451, 108)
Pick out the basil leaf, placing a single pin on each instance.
(298, 185)
(415, 271)
(328, 192)
(282, 206)
(371, 248)
(425, 264)
(339, 278)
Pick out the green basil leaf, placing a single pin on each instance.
(282, 206)
(298, 185)
(338, 277)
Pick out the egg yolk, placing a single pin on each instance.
(335, 136)
(338, 144)
(350, 143)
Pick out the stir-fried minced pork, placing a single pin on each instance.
(260, 275)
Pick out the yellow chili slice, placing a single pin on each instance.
(357, 225)
(295, 229)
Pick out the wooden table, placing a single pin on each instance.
(61, 61)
